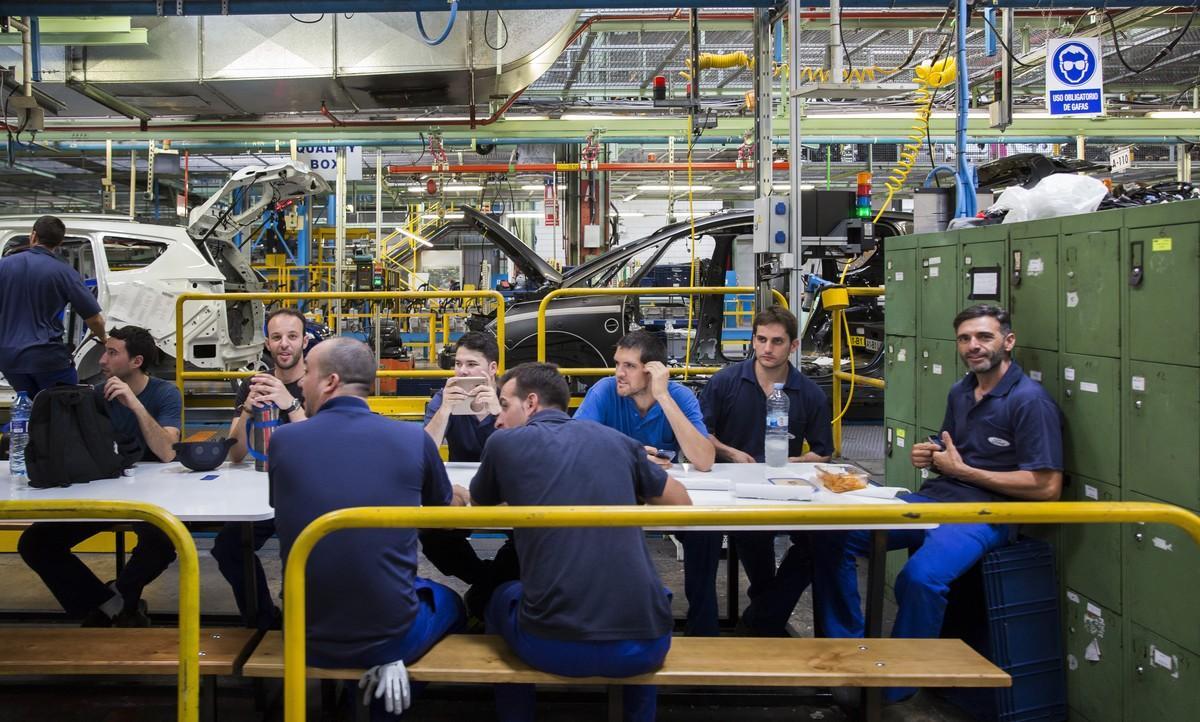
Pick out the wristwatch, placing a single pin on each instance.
(295, 405)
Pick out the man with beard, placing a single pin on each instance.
(1001, 440)
(285, 342)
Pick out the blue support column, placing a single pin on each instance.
(965, 203)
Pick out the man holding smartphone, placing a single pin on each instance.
(476, 358)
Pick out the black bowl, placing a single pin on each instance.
(202, 455)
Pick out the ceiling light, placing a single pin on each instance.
(678, 188)
(448, 216)
(807, 186)
(532, 187)
(459, 188)
(523, 214)
(633, 214)
(415, 237)
(415, 189)
(1173, 114)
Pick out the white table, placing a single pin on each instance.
(231, 492)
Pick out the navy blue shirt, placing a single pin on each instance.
(735, 410)
(604, 405)
(465, 434)
(595, 584)
(360, 582)
(35, 287)
(162, 401)
(1015, 426)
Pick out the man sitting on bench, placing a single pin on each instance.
(1001, 440)
(589, 601)
(366, 605)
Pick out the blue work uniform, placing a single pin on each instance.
(1015, 426)
(735, 409)
(604, 405)
(450, 550)
(557, 618)
(46, 546)
(35, 288)
(365, 603)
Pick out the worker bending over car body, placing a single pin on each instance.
(589, 601)
(1001, 440)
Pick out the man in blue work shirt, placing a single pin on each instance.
(143, 409)
(735, 408)
(1001, 440)
(641, 401)
(366, 606)
(557, 618)
(35, 286)
(476, 355)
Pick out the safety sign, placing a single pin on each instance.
(1074, 76)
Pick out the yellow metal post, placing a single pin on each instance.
(294, 656)
(189, 574)
(837, 375)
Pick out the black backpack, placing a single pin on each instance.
(71, 439)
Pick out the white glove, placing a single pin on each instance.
(389, 681)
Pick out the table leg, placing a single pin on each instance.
(733, 579)
(872, 697)
(249, 577)
(616, 703)
(119, 548)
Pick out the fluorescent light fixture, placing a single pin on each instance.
(415, 237)
(460, 188)
(415, 189)
(586, 116)
(448, 216)
(633, 214)
(532, 187)
(1173, 114)
(807, 186)
(679, 188)
(523, 214)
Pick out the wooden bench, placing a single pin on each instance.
(701, 661)
(106, 652)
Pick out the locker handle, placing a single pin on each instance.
(888, 445)
(1136, 258)
(1016, 273)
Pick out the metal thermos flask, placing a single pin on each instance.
(265, 418)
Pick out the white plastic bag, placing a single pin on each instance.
(1062, 194)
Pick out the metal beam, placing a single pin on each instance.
(580, 59)
(665, 61)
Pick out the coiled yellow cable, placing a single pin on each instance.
(929, 77)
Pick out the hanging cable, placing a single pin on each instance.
(445, 33)
(1161, 53)
(500, 24)
(837, 363)
(1000, 39)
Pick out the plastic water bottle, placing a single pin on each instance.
(19, 437)
(777, 428)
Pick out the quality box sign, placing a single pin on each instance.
(1074, 77)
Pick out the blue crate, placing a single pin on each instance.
(1006, 608)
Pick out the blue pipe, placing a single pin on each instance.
(35, 46)
(778, 42)
(445, 33)
(989, 35)
(964, 200)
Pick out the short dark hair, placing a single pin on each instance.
(484, 343)
(985, 309)
(50, 231)
(138, 342)
(352, 360)
(647, 344)
(542, 379)
(285, 311)
(779, 315)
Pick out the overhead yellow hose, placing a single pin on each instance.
(929, 77)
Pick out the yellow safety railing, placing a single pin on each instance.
(189, 573)
(837, 312)
(182, 376)
(294, 653)
(636, 291)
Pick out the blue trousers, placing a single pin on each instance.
(31, 384)
(938, 557)
(701, 557)
(227, 550)
(625, 658)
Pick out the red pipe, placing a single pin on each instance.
(574, 167)
(332, 119)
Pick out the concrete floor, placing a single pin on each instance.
(149, 699)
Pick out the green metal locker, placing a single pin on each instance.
(1041, 366)
(900, 372)
(937, 370)
(1033, 283)
(901, 282)
(1095, 659)
(1091, 553)
(1161, 580)
(899, 437)
(1090, 403)
(1162, 264)
(1089, 263)
(1161, 411)
(984, 266)
(938, 259)
(1162, 680)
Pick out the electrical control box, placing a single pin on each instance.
(772, 224)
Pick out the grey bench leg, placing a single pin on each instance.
(616, 703)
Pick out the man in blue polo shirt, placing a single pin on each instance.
(475, 356)
(735, 408)
(557, 618)
(366, 606)
(35, 286)
(1001, 440)
(641, 401)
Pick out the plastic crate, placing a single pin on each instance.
(1006, 608)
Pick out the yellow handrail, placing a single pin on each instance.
(838, 320)
(181, 376)
(189, 574)
(294, 654)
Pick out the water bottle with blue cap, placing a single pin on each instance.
(777, 435)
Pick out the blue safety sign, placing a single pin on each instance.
(1074, 76)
